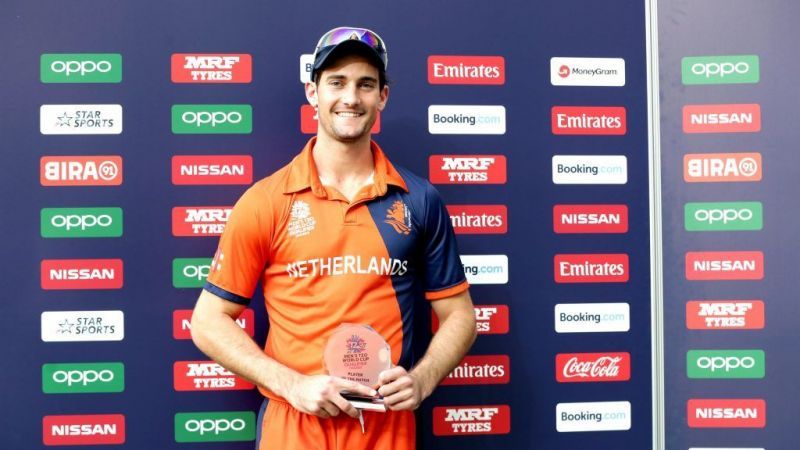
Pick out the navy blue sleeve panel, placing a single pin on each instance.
(444, 273)
(222, 293)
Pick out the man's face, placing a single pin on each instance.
(349, 98)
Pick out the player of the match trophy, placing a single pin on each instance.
(358, 353)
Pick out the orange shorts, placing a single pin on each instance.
(281, 427)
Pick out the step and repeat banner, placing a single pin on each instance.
(129, 131)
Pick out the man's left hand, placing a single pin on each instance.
(400, 389)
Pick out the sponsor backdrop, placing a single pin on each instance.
(130, 131)
(727, 165)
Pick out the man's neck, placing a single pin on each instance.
(343, 165)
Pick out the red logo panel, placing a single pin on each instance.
(490, 319)
(741, 118)
(721, 167)
(592, 367)
(725, 315)
(467, 169)
(206, 376)
(480, 369)
(199, 220)
(182, 323)
(724, 265)
(466, 420)
(95, 429)
(309, 123)
(727, 413)
(213, 169)
(479, 219)
(80, 170)
(466, 69)
(81, 274)
(212, 68)
(591, 268)
(584, 120)
(590, 219)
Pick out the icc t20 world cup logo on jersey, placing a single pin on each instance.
(399, 217)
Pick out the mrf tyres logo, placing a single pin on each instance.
(728, 118)
(565, 71)
(82, 326)
(80, 222)
(193, 221)
(468, 420)
(466, 119)
(467, 169)
(211, 68)
(591, 268)
(212, 119)
(725, 315)
(590, 219)
(593, 367)
(588, 120)
(734, 69)
(206, 376)
(182, 323)
(480, 369)
(96, 429)
(727, 413)
(83, 378)
(724, 265)
(721, 167)
(81, 274)
(212, 169)
(222, 426)
(489, 319)
(80, 119)
(80, 68)
(466, 70)
(724, 216)
(80, 170)
(720, 364)
(593, 416)
(479, 219)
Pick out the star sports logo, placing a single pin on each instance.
(80, 119)
(82, 326)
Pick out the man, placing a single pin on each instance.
(337, 236)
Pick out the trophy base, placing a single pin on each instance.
(365, 403)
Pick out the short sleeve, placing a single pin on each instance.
(243, 250)
(444, 274)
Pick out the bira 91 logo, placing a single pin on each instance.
(590, 219)
(468, 420)
(724, 265)
(731, 118)
(81, 68)
(81, 274)
(80, 170)
(211, 68)
(212, 169)
(467, 169)
(591, 268)
(97, 429)
(222, 426)
(483, 369)
(195, 221)
(479, 219)
(727, 413)
(309, 121)
(725, 315)
(466, 69)
(182, 323)
(206, 376)
(584, 120)
(212, 119)
(593, 367)
(721, 167)
(83, 378)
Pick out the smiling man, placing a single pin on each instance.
(339, 235)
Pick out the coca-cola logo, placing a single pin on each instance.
(589, 367)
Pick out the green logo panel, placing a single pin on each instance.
(190, 272)
(83, 378)
(723, 216)
(225, 426)
(81, 68)
(212, 119)
(734, 69)
(81, 222)
(725, 364)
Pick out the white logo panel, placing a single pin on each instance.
(466, 119)
(82, 326)
(590, 169)
(592, 317)
(485, 269)
(587, 71)
(593, 416)
(80, 119)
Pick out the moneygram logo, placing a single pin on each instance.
(485, 269)
(590, 219)
(593, 416)
(478, 219)
(590, 169)
(199, 220)
(190, 272)
(591, 268)
(721, 167)
(725, 364)
(80, 222)
(588, 120)
(206, 376)
(309, 122)
(211, 68)
(223, 426)
(467, 420)
(725, 315)
(587, 71)
(182, 323)
(728, 216)
(724, 265)
(592, 317)
(81, 274)
(720, 69)
(80, 68)
(467, 169)
(82, 378)
(466, 69)
(80, 119)
(212, 169)
(466, 119)
(80, 170)
(212, 119)
(484, 369)
(82, 326)
(732, 118)
(593, 367)
(97, 429)
(726, 413)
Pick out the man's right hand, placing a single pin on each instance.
(320, 395)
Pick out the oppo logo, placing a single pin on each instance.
(196, 272)
(714, 363)
(82, 377)
(711, 216)
(720, 69)
(216, 426)
(205, 117)
(81, 67)
(82, 222)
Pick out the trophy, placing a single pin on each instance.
(358, 353)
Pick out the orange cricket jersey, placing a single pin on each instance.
(324, 261)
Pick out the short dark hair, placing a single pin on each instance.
(335, 57)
